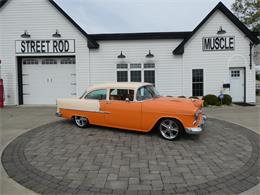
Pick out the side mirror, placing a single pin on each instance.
(127, 100)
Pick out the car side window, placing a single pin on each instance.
(143, 93)
(121, 94)
(100, 94)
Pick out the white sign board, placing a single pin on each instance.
(45, 46)
(219, 43)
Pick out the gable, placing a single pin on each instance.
(91, 43)
(222, 8)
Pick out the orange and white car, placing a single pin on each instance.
(134, 106)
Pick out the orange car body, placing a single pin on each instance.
(133, 115)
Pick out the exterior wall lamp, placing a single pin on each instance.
(121, 55)
(56, 34)
(149, 55)
(221, 31)
(25, 34)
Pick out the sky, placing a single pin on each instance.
(127, 16)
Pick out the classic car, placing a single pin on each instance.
(134, 106)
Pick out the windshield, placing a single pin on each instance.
(146, 92)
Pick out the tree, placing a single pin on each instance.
(248, 12)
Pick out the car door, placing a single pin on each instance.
(121, 111)
(97, 118)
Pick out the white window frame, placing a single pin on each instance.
(142, 69)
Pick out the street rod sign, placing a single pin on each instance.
(45, 46)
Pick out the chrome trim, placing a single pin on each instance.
(103, 112)
(199, 129)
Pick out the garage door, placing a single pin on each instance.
(46, 79)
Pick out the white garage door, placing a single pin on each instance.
(46, 79)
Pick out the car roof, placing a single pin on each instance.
(128, 85)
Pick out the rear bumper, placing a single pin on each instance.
(199, 129)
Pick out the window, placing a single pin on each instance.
(122, 73)
(149, 76)
(68, 61)
(151, 65)
(235, 73)
(197, 82)
(122, 66)
(136, 66)
(146, 92)
(136, 73)
(136, 76)
(122, 76)
(49, 61)
(30, 61)
(100, 94)
(121, 94)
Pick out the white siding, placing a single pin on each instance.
(41, 19)
(168, 67)
(173, 73)
(216, 63)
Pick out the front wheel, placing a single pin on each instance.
(169, 129)
(80, 121)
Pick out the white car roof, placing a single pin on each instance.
(128, 85)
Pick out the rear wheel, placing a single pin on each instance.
(169, 129)
(80, 121)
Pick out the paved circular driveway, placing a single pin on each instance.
(60, 158)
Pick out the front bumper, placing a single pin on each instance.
(199, 129)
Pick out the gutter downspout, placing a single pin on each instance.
(250, 54)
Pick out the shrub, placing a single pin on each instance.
(205, 104)
(218, 103)
(181, 96)
(210, 99)
(227, 99)
(193, 97)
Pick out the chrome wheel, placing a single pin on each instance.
(169, 129)
(80, 121)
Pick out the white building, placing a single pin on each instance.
(45, 55)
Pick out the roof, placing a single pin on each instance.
(141, 36)
(93, 38)
(221, 7)
(2, 2)
(128, 85)
(91, 43)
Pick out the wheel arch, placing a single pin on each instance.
(179, 121)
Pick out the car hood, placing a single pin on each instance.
(194, 102)
(185, 105)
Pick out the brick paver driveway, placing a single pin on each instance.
(60, 158)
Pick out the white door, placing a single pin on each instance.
(237, 84)
(45, 80)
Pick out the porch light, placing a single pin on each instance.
(221, 31)
(25, 34)
(121, 55)
(149, 55)
(56, 34)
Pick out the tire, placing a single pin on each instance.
(170, 129)
(80, 121)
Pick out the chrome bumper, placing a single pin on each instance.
(58, 114)
(199, 129)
